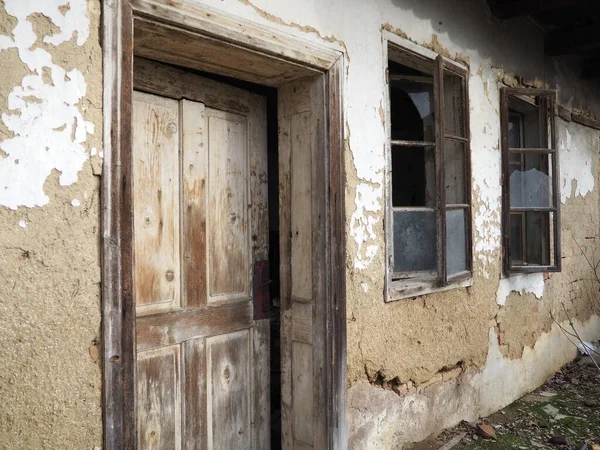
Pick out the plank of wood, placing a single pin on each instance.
(204, 53)
(159, 398)
(284, 157)
(255, 37)
(228, 222)
(194, 174)
(118, 307)
(259, 188)
(302, 322)
(261, 385)
(156, 202)
(228, 371)
(586, 121)
(335, 306)
(160, 79)
(165, 329)
(303, 411)
(301, 204)
(194, 398)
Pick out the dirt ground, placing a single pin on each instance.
(563, 413)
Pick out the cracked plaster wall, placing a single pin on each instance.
(434, 344)
(50, 141)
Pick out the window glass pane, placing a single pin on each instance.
(524, 129)
(454, 105)
(456, 241)
(515, 129)
(413, 176)
(414, 241)
(411, 105)
(530, 181)
(517, 237)
(454, 168)
(536, 243)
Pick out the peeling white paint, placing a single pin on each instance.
(23, 223)
(527, 283)
(363, 221)
(48, 126)
(75, 203)
(575, 151)
(485, 157)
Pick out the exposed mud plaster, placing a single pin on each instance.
(575, 149)
(47, 124)
(527, 283)
(383, 419)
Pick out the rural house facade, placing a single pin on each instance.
(231, 224)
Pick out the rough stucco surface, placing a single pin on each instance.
(414, 365)
(50, 99)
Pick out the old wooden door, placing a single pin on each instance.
(200, 225)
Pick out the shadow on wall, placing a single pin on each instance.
(470, 25)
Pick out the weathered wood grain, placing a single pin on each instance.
(159, 399)
(156, 202)
(229, 389)
(228, 223)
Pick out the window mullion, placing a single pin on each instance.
(439, 165)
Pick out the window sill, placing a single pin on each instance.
(399, 290)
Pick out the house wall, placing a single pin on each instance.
(414, 365)
(50, 139)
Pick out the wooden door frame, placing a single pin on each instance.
(299, 58)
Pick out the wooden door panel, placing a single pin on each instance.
(156, 202)
(203, 361)
(301, 138)
(229, 393)
(193, 374)
(228, 237)
(194, 176)
(159, 398)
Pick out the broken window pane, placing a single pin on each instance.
(454, 105)
(414, 241)
(524, 123)
(456, 242)
(454, 168)
(412, 111)
(413, 176)
(530, 182)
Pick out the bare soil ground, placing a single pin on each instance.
(564, 413)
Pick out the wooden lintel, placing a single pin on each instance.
(576, 40)
(586, 121)
(509, 9)
(564, 113)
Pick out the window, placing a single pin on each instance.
(429, 212)
(531, 219)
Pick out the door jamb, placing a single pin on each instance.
(118, 310)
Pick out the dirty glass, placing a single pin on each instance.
(454, 168)
(456, 241)
(454, 105)
(414, 241)
(531, 182)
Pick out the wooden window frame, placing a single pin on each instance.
(424, 283)
(118, 308)
(548, 146)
